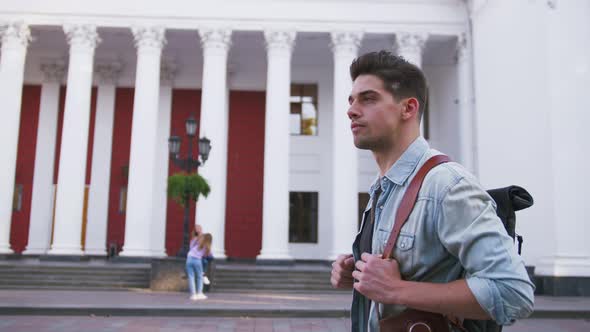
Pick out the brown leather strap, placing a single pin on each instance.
(408, 201)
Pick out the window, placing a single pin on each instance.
(303, 217)
(304, 105)
(17, 198)
(363, 201)
(123, 200)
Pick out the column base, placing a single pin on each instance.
(102, 252)
(5, 249)
(126, 252)
(65, 251)
(159, 253)
(274, 257)
(564, 266)
(35, 251)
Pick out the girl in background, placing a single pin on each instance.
(200, 247)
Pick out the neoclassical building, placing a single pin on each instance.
(91, 92)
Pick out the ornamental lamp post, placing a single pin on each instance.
(188, 164)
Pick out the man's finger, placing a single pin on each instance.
(365, 257)
(360, 265)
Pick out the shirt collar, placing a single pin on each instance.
(405, 165)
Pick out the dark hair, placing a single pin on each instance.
(400, 78)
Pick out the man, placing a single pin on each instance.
(452, 256)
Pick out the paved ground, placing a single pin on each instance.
(204, 324)
(144, 311)
(255, 304)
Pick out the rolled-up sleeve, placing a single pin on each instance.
(471, 231)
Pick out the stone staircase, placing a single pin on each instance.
(67, 275)
(300, 277)
(100, 274)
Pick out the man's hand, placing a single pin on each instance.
(377, 278)
(342, 272)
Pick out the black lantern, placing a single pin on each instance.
(191, 126)
(204, 148)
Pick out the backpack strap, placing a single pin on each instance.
(408, 201)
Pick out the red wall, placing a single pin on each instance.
(119, 159)
(184, 103)
(26, 156)
(243, 234)
(25, 164)
(245, 166)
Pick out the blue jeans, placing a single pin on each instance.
(194, 270)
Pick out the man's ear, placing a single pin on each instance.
(411, 107)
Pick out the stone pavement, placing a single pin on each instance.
(231, 324)
(144, 310)
(253, 304)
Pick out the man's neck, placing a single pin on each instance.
(386, 158)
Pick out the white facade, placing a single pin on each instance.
(508, 83)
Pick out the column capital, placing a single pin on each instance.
(168, 70)
(411, 42)
(215, 38)
(149, 36)
(53, 70)
(346, 42)
(281, 40)
(108, 72)
(82, 35)
(15, 31)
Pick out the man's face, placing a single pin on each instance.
(374, 114)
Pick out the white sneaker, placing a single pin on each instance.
(206, 280)
(194, 297)
(200, 296)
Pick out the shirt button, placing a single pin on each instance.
(381, 207)
(403, 245)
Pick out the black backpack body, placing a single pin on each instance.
(508, 200)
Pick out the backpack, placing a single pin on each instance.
(508, 200)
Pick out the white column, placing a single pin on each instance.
(568, 67)
(167, 73)
(466, 105)
(98, 195)
(214, 125)
(344, 193)
(15, 39)
(410, 47)
(74, 143)
(275, 205)
(142, 164)
(42, 200)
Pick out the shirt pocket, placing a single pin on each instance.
(403, 251)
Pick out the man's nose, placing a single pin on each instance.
(352, 112)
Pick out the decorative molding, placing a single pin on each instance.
(149, 36)
(462, 47)
(475, 6)
(346, 42)
(218, 39)
(408, 42)
(279, 40)
(108, 72)
(53, 70)
(82, 35)
(168, 70)
(16, 31)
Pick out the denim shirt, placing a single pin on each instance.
(453, 232)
